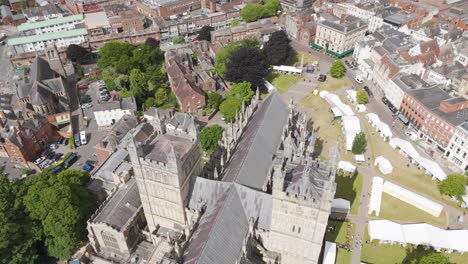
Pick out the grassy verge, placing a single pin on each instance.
(374, 252)
(282, 82)
(404, 173)
(349, 188)
(308, 59)
(395, 209)
(342, 235)
(332, 84)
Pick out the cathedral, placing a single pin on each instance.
(261, 197)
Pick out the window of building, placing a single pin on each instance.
(109, 240)
(293, 229)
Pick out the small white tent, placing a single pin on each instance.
(329, 255)
(383, 164)
(347, 166)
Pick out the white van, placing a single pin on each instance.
(359, 79)
(83, 138)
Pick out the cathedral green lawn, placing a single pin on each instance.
(375, 252)
(397, 210)
(297, 59)
(333, 84)
(349, 188)
(282, 82)
(343, 230)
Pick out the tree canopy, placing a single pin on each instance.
(362, 97)
(337, 69)
(454, 185)
(62, 204)
(20, 236)
(152, 42)
(205, 33)
(209, 137)
(253, 11)
(136, 70)
(178, 40)
(359, 144)
(223, 56)
(213, 100)
(229, 108)
(247, 64)
(433, 258)
(241, 91)
(277, 49)
(76, 53)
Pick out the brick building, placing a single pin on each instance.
(434, 113)
(22, 139)
(457, 15)
(8, 18)
(185, 82)
(166, 9)
(16, 4)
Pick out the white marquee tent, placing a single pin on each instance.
(347, 166)
(430, 166)
(335, 101)
(287, 69)
(351, 95)
(419, 234)
(351, 127)
(384, 165)
(329, 256)
(376, 195)
(413, 199)
(379, 126)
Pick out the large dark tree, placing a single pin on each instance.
(205, 33)
(152, 42)
(19, 235)
(247, 64)
(277, 49)
(76, 53)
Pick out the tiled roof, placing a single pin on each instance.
(50, 22)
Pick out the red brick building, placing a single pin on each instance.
(185, 83)
(434, 113)
(428, 53)
(22, 140)
(456, 15)
(8, 18)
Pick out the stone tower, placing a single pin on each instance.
(163, 168)
(302, 196)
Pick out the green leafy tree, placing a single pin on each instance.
(144, 56)
(251, 12)
(76, 53)
(362, 97)
(454, 185)
(209, 137)
(433, 258)
(205, 33)
(337, 69)
(235, 22)
(161, 96)
(112, 52)
(109, 76)
(138, 84)
(62, 204)
(214, 100)
(359, 144)
(222, 57)
(241, 91)
(20, 236)
(229, 107)
(270, 8)
(277, 49)
(157, 77)
(247, 64)
(79, 70)
(178, 40)
(122, 82)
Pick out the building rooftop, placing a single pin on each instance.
(354, 25)
(400, 18)
(96, 20)
(120, 208)
(430, 97)
(47, 36)
(50, 22)
(39, 11)
(250, 163)
(165, 145)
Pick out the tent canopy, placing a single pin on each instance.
(379, 125)
(346, 166)
(384, 165)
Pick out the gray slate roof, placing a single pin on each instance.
(250, 163)
(121, 207)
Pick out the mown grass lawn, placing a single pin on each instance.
(404, 173)
(296, 60)
(376, 253)
(349, 188)
(394, 209)
(333, 84)
(282, 82)
(340, 236)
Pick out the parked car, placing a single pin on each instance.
(56, 169)
(83, 138)
(385, 100)
(359, 79)
(100, 82)
(70, 160)
(88, 167)
(39, 160)
(57, 156)
(86, 105)
(63, 141)
(53, 146)
(86, 99)
(368, 91)
(82, 86)
(102, 88)
(77, 139)
(322, 78)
